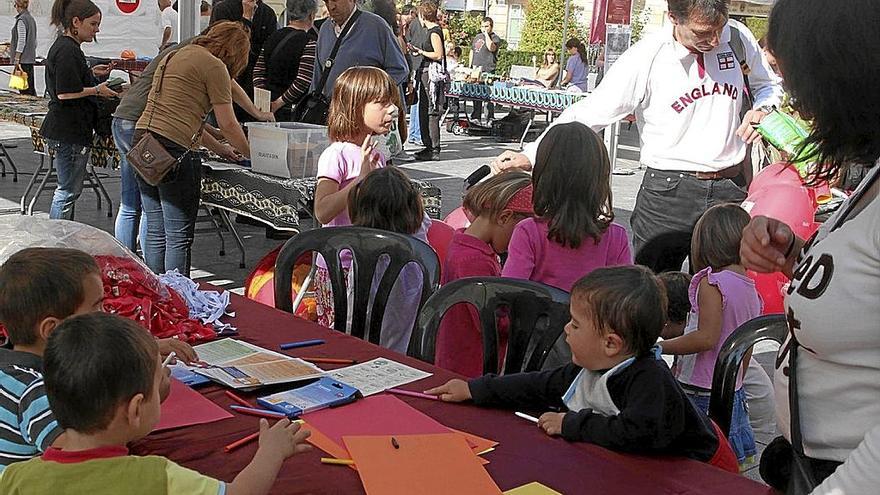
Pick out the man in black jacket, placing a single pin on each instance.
(262, 21)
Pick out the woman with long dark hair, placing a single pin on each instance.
(73, 107)
(830, 364)
(193, 81)
(577, 68)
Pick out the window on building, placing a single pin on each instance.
(516, 18)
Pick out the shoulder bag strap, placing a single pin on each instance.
(281, 44)
(802, 472)
(198, 133)
(328, 64)
(739, 51)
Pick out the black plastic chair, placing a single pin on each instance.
(537, 312)
(366, 246)
(730, 358)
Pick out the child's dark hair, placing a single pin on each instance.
(677, 285)
(572, 181)
(627, 300)
(63, 12)
(36, 283)
(386, 199)
(83, 366)
(492, 196)
(717, 237)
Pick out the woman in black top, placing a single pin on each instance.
(73, 93)
(431, 93)
(287, 61)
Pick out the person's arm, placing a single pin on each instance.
(240, 98)
(651, 419)
(491, 44)
(166, 35)
(708, 332)
(18, 49)
(535, 390)
(858, 473)
(260, 71)
(99, 90)
(436, 47)
(567, 77)
(622, 90)
(766, 86)
(225, 116)
(521, 255)
(300, 86)
(769, 245)
(330, 200)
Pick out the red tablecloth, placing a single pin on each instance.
(525, 453)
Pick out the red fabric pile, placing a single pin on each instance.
(134, 293)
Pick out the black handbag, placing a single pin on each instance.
(314, 108)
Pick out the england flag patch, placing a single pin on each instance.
(726, 61)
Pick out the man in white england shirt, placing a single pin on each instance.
(685, 87)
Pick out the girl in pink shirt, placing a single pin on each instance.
(572, 232)
(363, 105)
(497, 204)
(722, 298)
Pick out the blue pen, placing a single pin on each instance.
(304, 343)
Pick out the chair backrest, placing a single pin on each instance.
(730, 358)
(366, 247)
(537, 313)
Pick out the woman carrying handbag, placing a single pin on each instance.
(190, 83)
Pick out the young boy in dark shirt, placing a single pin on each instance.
(616, 393)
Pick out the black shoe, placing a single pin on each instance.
(427, 155)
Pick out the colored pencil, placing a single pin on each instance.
(241, 442)
(338, 462)
(410, 393)
(261, 413)
(168, 359)
(527, 417)
(304, 343)
(238, 399)
(320, 360)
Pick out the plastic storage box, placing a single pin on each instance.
(286, 149)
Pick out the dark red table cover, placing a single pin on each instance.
(525, 453)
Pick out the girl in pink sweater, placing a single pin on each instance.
(572, 232)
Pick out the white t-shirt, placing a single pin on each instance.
(687, 114)
(169, 19)
(833, 307)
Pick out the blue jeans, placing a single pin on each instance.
(171, 209)
(741, 436)
(415, 131)
(130, 219)
(70, 166)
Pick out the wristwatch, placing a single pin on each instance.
(767, 108)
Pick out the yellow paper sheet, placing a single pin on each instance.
(533, 488)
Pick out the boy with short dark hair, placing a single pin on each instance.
(677, 285)
(616, 392)
(39, 287)
(102, 410)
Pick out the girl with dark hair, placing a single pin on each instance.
(573, 231)
(190, 83)
(387, 199)
(73, 106)
(578, 65)
(830, 364)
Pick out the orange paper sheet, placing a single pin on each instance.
(438, 464)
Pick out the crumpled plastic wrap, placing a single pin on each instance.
(206, 306)
(131, 290)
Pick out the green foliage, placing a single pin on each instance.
(757, 25)
(640, 17)
(544, 23)
(506, 58)
(463, 26)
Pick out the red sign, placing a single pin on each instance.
(618, 12)
(127, 6)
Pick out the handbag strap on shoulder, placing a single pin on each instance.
(328, 64)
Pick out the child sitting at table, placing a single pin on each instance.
(387, 199)
(497, 204)
(103, 409)
(40, 287)
(616, 393)
(573, 231)
(363, 106)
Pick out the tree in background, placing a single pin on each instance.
(544, 23)
(463, 26)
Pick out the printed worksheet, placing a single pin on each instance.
(238, 364)
(377, 375)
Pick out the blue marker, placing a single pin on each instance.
(304, 343)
